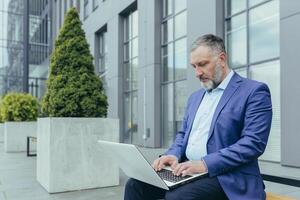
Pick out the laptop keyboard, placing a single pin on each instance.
(169, 176)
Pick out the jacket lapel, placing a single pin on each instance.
(228, 92)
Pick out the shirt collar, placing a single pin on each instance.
(224, 83)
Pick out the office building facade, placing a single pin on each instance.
(141, 52)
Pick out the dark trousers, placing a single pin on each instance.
(202, 189)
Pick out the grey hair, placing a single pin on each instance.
(215, 43)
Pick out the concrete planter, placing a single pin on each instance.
(15, 135)
(1, 132)
(68, 156)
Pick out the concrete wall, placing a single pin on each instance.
(290, 92)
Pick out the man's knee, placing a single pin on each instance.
(132, 184)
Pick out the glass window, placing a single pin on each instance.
(167, 7)
(261, 37)
(134, 74)
(127, 76)
(235, 6)
(269, 73)
(179, 5)
(255, 2)
(168, 114)
(167, 31)
(101, 58)
(174, 66)
(78, 5)
(65, 6)
(130, 73)
(264, 31)
(135, 45)
(180, 25)
(242, 71)
(167, 62)
(135, 24)
(95, 4)
(180, 102)
(86, 9)
(237, 40)
(180, 59)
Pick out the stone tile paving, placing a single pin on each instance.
(18, 181)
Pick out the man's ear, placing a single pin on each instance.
(223, 59)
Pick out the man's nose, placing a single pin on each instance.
(199, 72)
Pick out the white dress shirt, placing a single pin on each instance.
(196, 148)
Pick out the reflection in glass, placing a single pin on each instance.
(126, 51)
(236, 40)
(135, 23)
(255, 2)
(127, 118)
(269, 73)
(131, 118)
(134, 68)
(242, 72)
(264, 31)
(180, 59)
(179, 5)
(126, 28)
(235, 6)
(180, 25)
(135, 44)
(167, 31)
(134, 118)
(130, 76)
(174, 64)
(167, 62)
(11, 46)
(127, 76)
(168, 114)
(180, 101)
(167, 8)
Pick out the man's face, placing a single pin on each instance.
(209, 68)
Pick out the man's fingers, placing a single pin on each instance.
(163, 161)
(174, 165)
(156, 164)
(180, 168)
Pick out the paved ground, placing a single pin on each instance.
(18, 182)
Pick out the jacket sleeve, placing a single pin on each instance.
(254, 136)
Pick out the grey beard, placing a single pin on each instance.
(212, 84)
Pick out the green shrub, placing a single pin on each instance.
(19, 107)
(73, 88)
(1, 120)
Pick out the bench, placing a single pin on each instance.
(30, 139)
(271, 196)
(281, 180)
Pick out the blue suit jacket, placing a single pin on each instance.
(238, 136)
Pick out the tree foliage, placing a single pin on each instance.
(19, 107)
(73, 88)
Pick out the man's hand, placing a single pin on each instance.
(166, 160)
(189, 168)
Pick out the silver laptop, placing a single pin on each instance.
(134, 165)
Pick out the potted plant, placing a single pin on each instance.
(1, 126)
(19, 111)
(75, 107)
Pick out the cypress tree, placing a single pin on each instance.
(73, 88)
